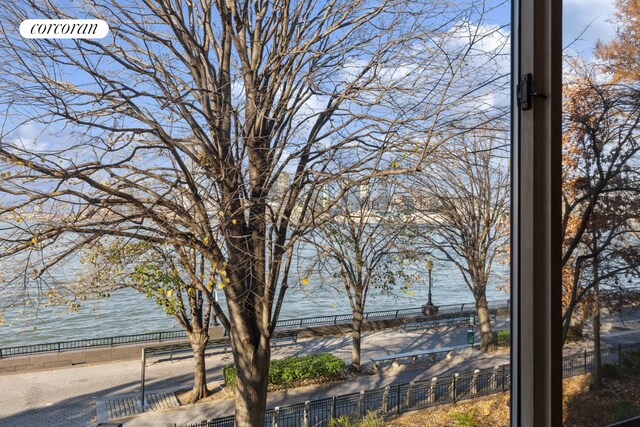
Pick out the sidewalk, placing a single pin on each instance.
(463, 361)
(67, 396)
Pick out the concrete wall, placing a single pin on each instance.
(43, 361)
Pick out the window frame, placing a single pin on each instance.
(536, 243)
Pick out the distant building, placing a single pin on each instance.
(280, 187)
(357, 197)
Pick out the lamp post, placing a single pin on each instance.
(471, 332)
(429, 266)
(215, 298)
(429, 309)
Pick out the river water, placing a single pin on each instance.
(128, 312)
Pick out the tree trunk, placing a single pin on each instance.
(572, 325)
(597, 362)
(252, 366)
(486, 333)
(596, 379)
(198, 341)
(356, 346)
(566, 324)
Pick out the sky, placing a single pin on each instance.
(584, 23)
(587, 21)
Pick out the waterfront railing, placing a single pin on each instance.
(399, 398)
(82, 344)
(164, 336)
(381, 315)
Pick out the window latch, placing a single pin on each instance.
(525, 93)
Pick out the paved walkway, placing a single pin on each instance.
(464, 360)
(67, 396)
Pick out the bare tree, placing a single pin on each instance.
(360, 246)
(600, 185)
(463, 199)
(175, 129)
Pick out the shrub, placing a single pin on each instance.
(343, 421)
(628, 368)
(610, 371)
(287, 371)
(502, 338)
(574, 333)
(622, 410)
(229, 374)
(370, 420)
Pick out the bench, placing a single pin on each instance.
(448, 319)
(284, 336)
(414, 355)
(213, 344)
(183, 347)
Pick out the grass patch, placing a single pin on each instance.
(293, 370)
(465, 419)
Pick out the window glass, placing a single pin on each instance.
(600, 210)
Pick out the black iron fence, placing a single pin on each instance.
(159, 337)
(394, 399)
(400, 398)
(583, 362)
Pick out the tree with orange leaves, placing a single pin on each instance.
(600, 192)
(621, 55)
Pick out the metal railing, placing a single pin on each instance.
(394, 399)
(159, 337)
(400, 398)
(380, 315)
(91, 343)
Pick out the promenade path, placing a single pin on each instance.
(67, 396)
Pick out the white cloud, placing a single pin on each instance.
(587, 21)
(27, 136)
